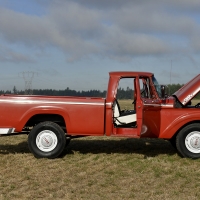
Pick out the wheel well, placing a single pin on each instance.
(46, 117)
(192, 122)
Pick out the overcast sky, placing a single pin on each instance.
(75, 43)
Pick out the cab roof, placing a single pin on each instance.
(130, 73)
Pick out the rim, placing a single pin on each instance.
(192, 142)
(46, 140)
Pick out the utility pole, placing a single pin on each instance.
(171, 73)
(170, 78)
(28, 78)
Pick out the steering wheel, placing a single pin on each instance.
(197, 105)
(142, 92)
(141, 95)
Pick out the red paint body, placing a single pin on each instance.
(156, 117)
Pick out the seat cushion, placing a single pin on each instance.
(123, 117)
(127, 119)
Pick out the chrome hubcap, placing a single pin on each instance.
(46, 140)
(192, 142)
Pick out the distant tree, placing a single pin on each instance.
(14, 90)
(197, 96)
(124, 94)
(172, 88)
(121, 92)
(7, 92)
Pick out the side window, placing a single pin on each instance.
(145, 88)
(125, 93)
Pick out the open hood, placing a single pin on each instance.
(189, 90)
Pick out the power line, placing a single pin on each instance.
(28, 78)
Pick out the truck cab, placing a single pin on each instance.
(147, 97)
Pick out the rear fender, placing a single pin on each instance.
(41, 110)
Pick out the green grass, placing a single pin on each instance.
(98, 168)
(126, 104)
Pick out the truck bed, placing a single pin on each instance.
(82, 115)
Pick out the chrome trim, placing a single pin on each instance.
(159, 105)
(7, 130)
(50, 102)
(171, 106)
(154, 105)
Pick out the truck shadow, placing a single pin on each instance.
(14, 148)
(146, 147)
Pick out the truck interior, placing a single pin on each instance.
(125, 118)
(125, 115)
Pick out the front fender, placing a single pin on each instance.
(172, 128)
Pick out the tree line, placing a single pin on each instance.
(53, 92)
(121, 93)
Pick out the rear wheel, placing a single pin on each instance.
(47, 140)
(188, 141)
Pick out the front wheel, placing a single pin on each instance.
(188, 141)
(173, 142)
(47, 140)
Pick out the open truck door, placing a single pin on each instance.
(150, 93)
(128, 122)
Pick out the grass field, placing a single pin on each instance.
(98, 168)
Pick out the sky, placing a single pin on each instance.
(76, 43)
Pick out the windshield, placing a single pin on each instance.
(157, 86)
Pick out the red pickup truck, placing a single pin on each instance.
(52, 121)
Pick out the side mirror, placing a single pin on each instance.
(163, 91)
